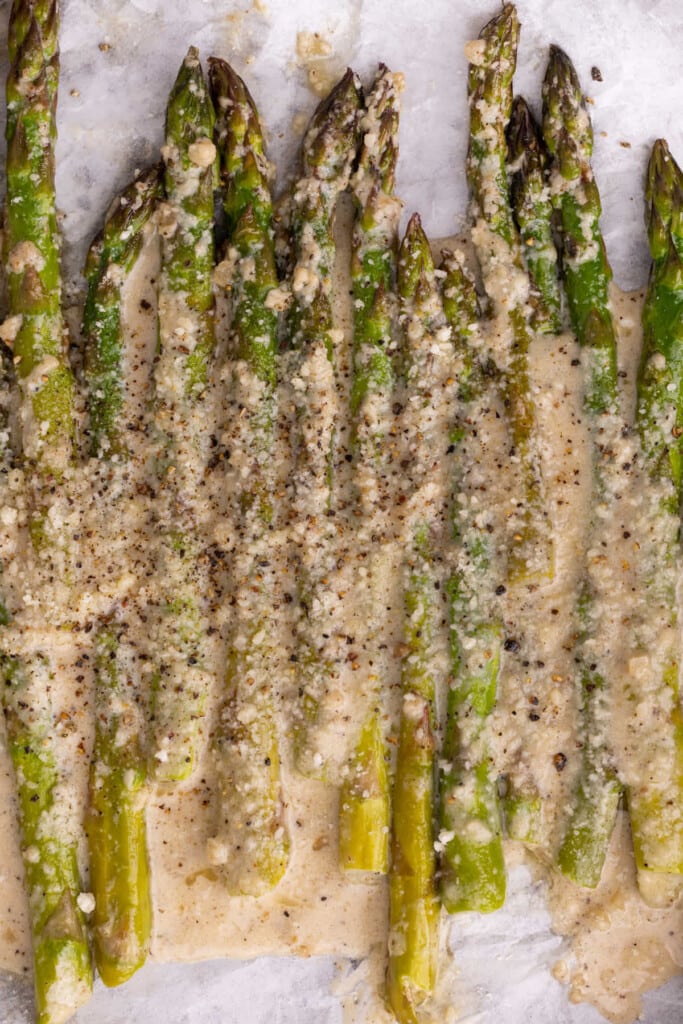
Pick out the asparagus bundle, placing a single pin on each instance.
(429, 382)
(364, 800)
(655, 798)
(118, 776)
(251, 845)
(569, 138)
(183, 421)
(38, 741)
(472, 869)
(329, 149)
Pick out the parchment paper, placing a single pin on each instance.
(119, 59)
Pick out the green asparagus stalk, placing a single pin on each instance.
(492, 66)
(533, 209)
(374, 256)
(413, 904)
(50, 825)
(189, 179)
(251, 845)
(659, 381)
(117, 842)
(115, 825)
(529, 542)
(569, 138)
(472, 868)
(414, 907)
(462, 311)
(110, 260)
(186, 344)
(329, 150)
(244, 170)
(61, 956)
(364, 799)
(655, 800)
(32, 242)
(498, 248)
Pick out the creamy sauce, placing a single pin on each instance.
(618, 946)
(315, 909)
(315, 54)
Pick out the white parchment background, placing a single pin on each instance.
(119, 60)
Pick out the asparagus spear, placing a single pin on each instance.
(532, 208)
(569, 138)
(244, 170)
(655, 800)
(374, 258)
(364, 801)
(32, 242)
(413, 904)
(37, 742)
(530, 556)
(117, 843)
(568, 135)
(61, 957)
(462, 310)
(186, 344)
(117, 794)
(472, 868)
(364, 798)
(329, 150)
(414, 908)
(497, 244)
(252, 844)
(111, 258)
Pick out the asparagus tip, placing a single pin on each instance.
(522, 132)
(415, 245)
(504, 25)
(414, 225)
(663, 173)
(415, 261)
(663, 198)
(224, 82)
(379, 150)
(334, 125)
(567, 128)
(561, 75)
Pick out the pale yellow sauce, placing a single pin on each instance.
(315, 55)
